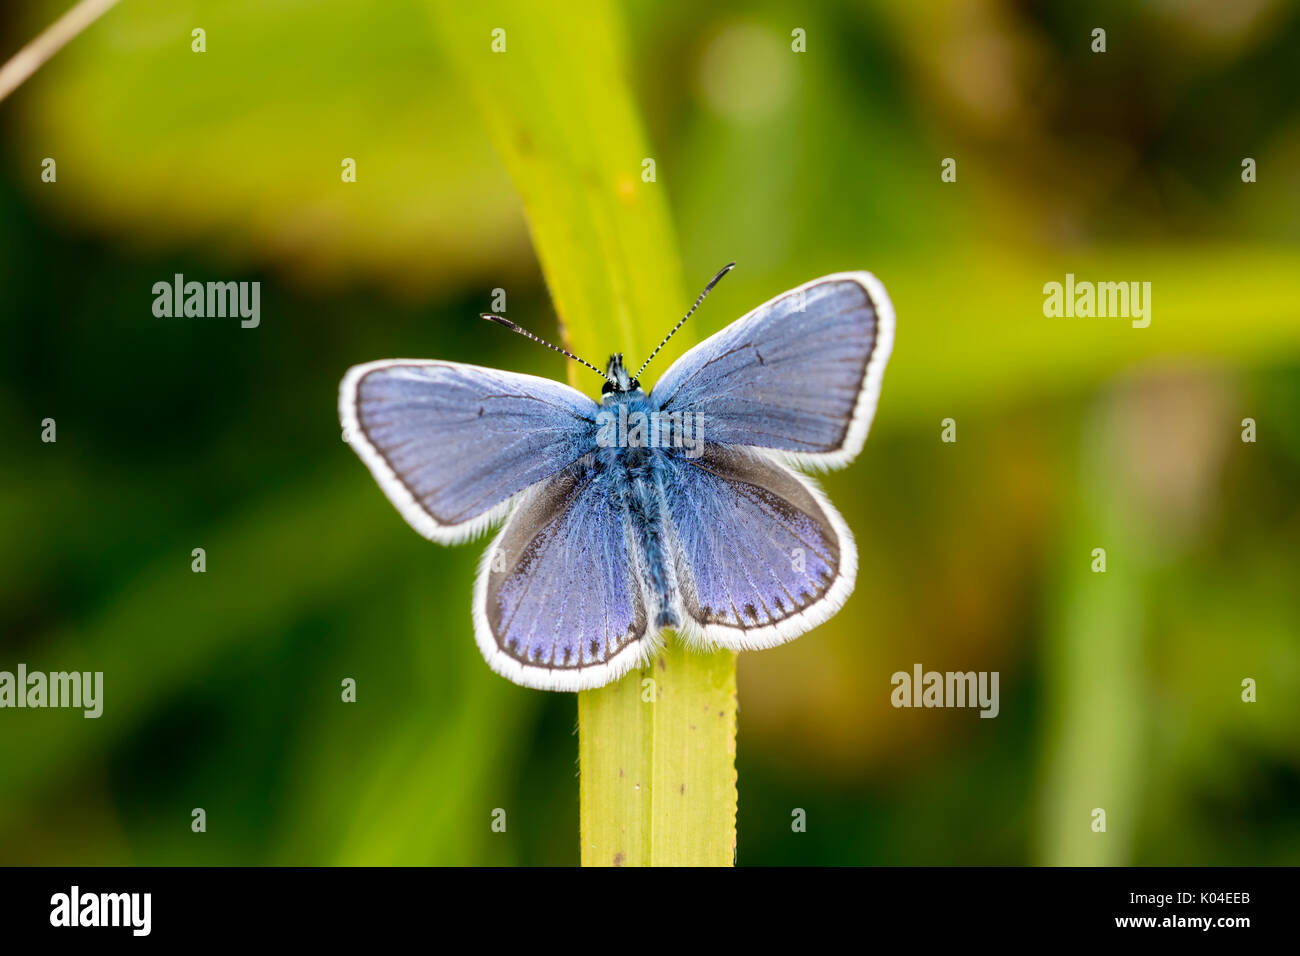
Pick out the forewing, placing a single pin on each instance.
(800, 374)
(557, 603)
(450, 444)
(762, 556)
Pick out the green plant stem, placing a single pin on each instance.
(1095, 721)
(657, 760)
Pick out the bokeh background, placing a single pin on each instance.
(222, 689)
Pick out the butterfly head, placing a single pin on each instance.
(618, 378)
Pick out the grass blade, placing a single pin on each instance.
(658, 779)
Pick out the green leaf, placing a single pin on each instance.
(240, 148)
(658, 779)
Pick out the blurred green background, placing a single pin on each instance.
(222, 689)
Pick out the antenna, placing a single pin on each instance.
(524, 332)
(707, 289)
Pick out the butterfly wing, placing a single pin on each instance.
(800, 374)
(761, 555)
(558, 603)
(451, 444)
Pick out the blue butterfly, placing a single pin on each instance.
(674, 509)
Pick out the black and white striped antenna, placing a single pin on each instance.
(707, 289)
(499, 320)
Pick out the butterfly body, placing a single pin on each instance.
(675, 509)
(639, 476)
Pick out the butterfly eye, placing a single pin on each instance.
(607, 388)
(634, 384)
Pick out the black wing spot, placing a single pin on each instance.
(760, 357)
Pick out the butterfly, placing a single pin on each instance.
(681, 508)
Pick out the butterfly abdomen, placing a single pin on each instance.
(644, 472)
